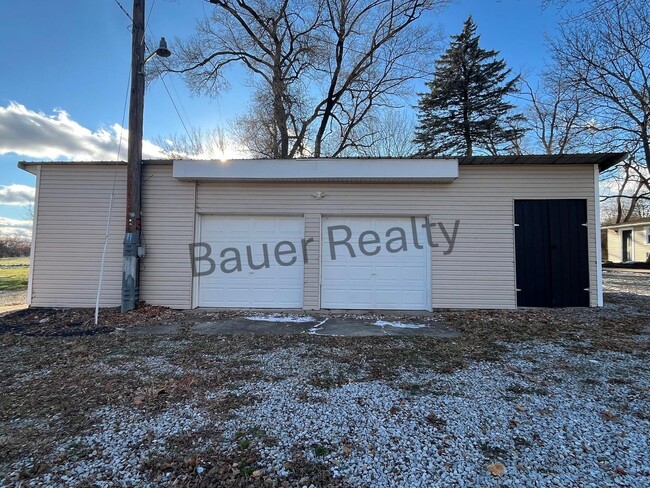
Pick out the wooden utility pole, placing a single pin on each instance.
(134, 164)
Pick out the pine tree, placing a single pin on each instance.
(465, 108)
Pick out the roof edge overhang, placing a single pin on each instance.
(304, 170)
(30, 165)
(365, 169)
(638, 223)
(604, 161)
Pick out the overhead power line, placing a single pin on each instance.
(124, 10)
(162, 78)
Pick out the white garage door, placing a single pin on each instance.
(271, 286)
(389, 278)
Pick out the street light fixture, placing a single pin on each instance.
(162, 51)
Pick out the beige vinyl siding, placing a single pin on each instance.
(641, 248)
(69, 236)
(311, 286)
(480, 273)
(167, 231)
(614, 249)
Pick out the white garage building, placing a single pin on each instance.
(401, 234)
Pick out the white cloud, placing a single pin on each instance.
(38, 135)
(16, 195)
(13, 227)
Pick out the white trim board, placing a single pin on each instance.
(405, 170)
(599, 250)
(620, 242)
(32, 251)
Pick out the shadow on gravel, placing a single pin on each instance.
(51, 323)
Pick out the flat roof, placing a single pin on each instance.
(603, 160)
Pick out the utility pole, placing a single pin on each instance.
(130, 269)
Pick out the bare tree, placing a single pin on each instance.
(197, 144)
(28, 211)
(390, 132)
(272, 40)
(374, 48)
(257, 132)
(625, 191)
(322, 65)
(606, 60)
(577, 8)
(14, 246)
(555, 116)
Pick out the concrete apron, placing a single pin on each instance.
(321, 326)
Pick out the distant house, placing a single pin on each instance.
(494, 232)
(628, 241)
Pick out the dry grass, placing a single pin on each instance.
(21, 261)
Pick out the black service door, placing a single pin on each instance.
(627, 245)
(551, 247)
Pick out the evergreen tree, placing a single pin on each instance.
(465, 108)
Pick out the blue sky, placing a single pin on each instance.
(65, 68)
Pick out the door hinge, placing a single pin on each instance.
(516, 225)
(586, 289)
(518, 289)
(585, 225)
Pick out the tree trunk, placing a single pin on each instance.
(280, 117)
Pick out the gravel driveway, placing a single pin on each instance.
(625, 281)
(521, 398)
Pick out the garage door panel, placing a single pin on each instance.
(413, 298)
(385, 280)
(272, 286)
(266, 296)
(291, 225)
(387, 296)
(359, 296)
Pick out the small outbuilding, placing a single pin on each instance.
(628, 242)
(494, 232)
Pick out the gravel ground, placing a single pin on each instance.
(548, 415)
(622, 281)
(532, 413)
(8, 298)
(524, 398)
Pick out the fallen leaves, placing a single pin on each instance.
(435, 420)
(610, 416)
(497, 469)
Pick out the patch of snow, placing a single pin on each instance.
(314, 330)
(398, 325)
(294, 319)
